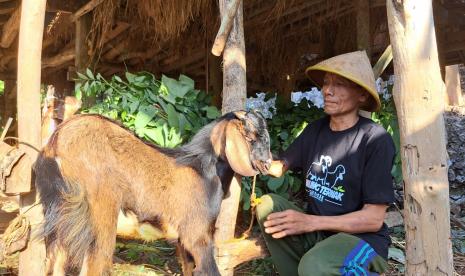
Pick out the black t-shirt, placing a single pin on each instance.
(345, 170)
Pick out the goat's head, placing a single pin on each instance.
(248, 144)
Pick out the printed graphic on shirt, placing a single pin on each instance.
(325, 182)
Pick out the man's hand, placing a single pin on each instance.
(289, 222)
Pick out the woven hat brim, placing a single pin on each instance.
(317, 73)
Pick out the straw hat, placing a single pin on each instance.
(353, 66)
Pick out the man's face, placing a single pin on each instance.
(341, 96)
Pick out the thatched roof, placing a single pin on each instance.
(282, 37)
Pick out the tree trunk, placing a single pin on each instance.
(32, 259)
(418, 94)
(234, 95)
(454, 91)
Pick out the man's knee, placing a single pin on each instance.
(312, 264)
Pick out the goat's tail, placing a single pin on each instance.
(67, 222)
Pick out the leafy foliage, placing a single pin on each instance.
(167, 111)
(387, 117)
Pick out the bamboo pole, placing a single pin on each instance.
(418, 94)
(234, 95)
(32, 259)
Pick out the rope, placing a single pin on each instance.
(22, 142)
(17, 230)
(254, 201)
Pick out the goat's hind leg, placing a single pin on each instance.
(98, 258)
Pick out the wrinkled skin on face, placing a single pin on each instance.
(341, 96)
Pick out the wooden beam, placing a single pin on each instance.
(454, 90)
(8, 7)
(117, 50)
(454, 46)
(119, 29)
(10, 29)
(225, 28)
(32, 259)
(64, 6)
(362, 8)
(234, 95)
(67, 55)
(383, 62)
(86, 9)
(419, 98)
(6, 59)
(178, 63)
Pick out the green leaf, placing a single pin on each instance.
(212, 112)
(274, 183)
(130, 77)
(145, 115)
(117, 78)
(178, 89)
(284, 135)
(173, 119)
(187, 81)
(156, 135)
(82, 76)
(89, 74)
(77, 91)
(133, 106)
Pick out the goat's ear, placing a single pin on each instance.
(240, 114)
(237, 151)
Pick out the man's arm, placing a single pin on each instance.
(290, 222)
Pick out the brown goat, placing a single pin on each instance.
(92, 169)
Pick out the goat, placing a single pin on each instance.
(92, 169)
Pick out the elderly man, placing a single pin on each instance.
(347, 160)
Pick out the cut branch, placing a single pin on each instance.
(11, 29)
(225, 29)
(231, 254)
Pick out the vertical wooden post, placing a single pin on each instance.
(418, 94)
(454, 90)
(363, 34)
(9, 107)
(82, 60)
(363, 26)
(32, 259)
(234, 95)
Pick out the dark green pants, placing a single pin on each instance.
(312, 253)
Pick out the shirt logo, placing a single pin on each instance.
(325, 183)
